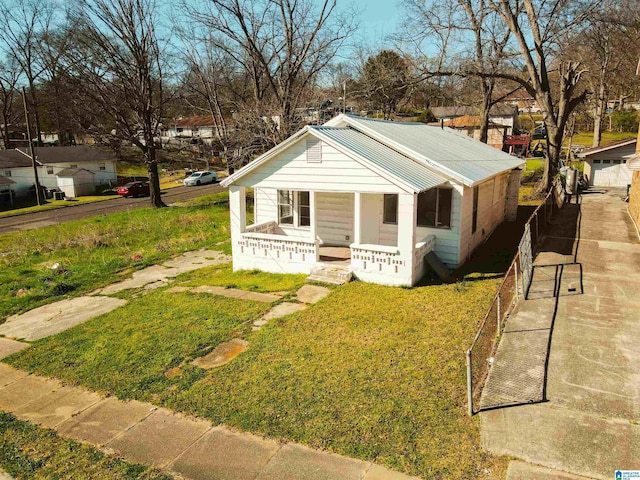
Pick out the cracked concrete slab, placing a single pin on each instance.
(57, 406)
(235, 293)
(8, 347)
(9, 374)
(26, 390)
(294, 462)
(225, 455)
(525, 471)
(312, 293)
(105, 420)
(376, 472)
(222, 354)
(186, 262)
(159, 438)
(280, 310)
(56, 317)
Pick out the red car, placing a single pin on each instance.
(134, 189)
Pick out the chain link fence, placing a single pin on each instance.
(512, 289)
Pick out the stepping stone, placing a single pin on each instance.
(225, 455)
(235, 293)
(197, 259)
(178, 289)
(312, 293)
(141, 278)
(280, 310)
(159, 438)
(154, 285)
(104, 421)
(7, 347)
(5, 476)
(56, 317)
(9, 374)
(297, 462)
(223, 353)
(26, 390)
(57, 406)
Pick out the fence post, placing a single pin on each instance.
(499, 318)
(515, 269)
(469, 385)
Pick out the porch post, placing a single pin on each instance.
(357, 218)
(407, 230)
(238, 207)
(313, 228)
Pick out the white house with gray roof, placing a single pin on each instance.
(370, 198)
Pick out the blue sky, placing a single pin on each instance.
(379, 19)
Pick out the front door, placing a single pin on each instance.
(334, 218)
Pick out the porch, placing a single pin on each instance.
(343, 232)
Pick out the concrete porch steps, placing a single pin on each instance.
(526, 471)
(335, 274)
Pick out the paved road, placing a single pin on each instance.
(61, 215)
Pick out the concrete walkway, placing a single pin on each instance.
(56, 317)
(190, 447)
(573, 349)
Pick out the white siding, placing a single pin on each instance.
(491, 211)
(447, 239)
(335, 218)
(335, 173)
(266, 205)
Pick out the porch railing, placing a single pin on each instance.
(265, 227)
(376, 258)
(278, 247)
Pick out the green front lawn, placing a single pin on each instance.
(371, 372)
(95, 252)
(29, 452)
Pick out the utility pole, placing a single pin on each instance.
(32, 152)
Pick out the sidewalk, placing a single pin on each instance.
(191, 447)
(571, 350)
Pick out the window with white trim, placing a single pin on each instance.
(102, 166)
(294, 208)
(285, 207)
(390, 209)
(7, 173)
(49, 170)
(434, 208)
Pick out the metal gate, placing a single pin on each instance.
(526, 260)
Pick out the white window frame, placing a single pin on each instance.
(295, 209)
(49, 170)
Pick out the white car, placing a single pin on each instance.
(200, 178)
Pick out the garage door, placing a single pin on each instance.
(610, 173)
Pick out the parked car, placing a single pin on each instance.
(200, 178)
(134, 189)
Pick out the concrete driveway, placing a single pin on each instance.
(586, 419)
(56, 216)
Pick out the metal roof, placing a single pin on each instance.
(610, 146)
(442, 149)
(70, 172)
(418, 176)
(20, 157)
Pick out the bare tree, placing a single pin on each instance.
(609, 47)
(385, 81)
(9, 75)
(280, 46)
(469, 39)
(24, 23)
(118, 64)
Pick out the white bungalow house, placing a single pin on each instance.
(77, 170)
(371, 197)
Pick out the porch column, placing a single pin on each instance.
(357, 218)
(313, 230)
(407, 206)
(238, 208)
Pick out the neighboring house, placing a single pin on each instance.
(606, 166)
(523, 101)
(196, 128)
(470, 126)
(51, 161)
(499, 114)
(6, 190)
(386, 193)
(634, 197)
